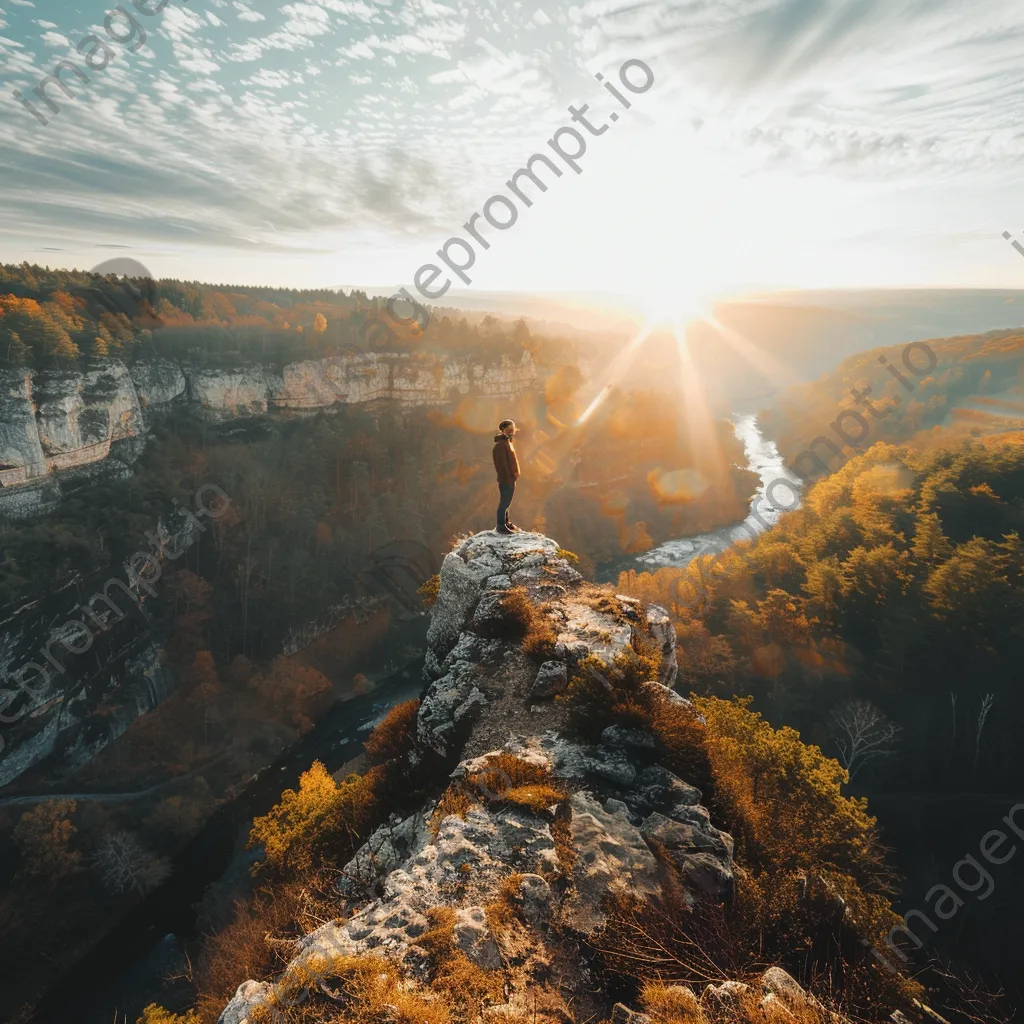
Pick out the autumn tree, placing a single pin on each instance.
(155, 1014)
(318, 819)
(930, 543)
(293, 689)
(43, 836)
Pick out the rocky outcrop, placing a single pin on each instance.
(608, 820)
(57, 426)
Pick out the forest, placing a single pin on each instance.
(884, 621)
(62, 318)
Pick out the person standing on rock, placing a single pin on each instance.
(507, 466)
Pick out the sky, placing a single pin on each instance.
(783, 143)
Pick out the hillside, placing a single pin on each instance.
(555, 834)
(930, 394)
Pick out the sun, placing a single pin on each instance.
(673, 307)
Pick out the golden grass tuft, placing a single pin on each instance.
(502, 913)
(506, 779)
(537, 797)
(454, 800)
(670, 1004)
(429, 591)
(374, 991)
(521, 619)
(466, 986)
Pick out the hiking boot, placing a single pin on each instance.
(503, 529)
(513, 527)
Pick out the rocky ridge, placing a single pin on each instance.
(57, 425)
(618, 819)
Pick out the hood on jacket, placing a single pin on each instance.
(501, 437)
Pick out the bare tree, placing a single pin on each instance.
(862, 734)
(986, 707)
(125, 865)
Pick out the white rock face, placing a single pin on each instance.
(21, 454)
(79, 416)
(233, 394)
(613, 857)
(55, 421)
(158, 382)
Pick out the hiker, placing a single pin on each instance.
(507, 465)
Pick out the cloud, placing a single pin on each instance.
(56, 40)
(345, 120)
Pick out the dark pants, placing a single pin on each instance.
(506, 492)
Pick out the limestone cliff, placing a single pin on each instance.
(58, 426)
(618, 818)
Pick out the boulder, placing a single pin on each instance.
(489, 614)
(386, 848)
(462, 583)
(659, 622)
(728, 994)
(618, 737)
(657, 789)
(698, 850)
(552, 678)
(622, 1014)
(611, 765)
(448, 708)
(611, 856)
(777, 982)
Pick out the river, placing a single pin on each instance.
(763, 458)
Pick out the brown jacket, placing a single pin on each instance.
(505, 461)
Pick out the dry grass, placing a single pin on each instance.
(506, 771)
(565, 849)
(523, 620)
(648, 651)
(517, 613)
(503, 912)
(747, 1009)
(372, 991)
(507, 779)
(245, 948)
(540, 639)
(430, 591)
(394, 735)
(466, 986)
(537, 797)
(670, 1004)
(454, 800)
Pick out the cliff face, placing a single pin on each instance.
(75, 701)
(58, 426)
(617, 818)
